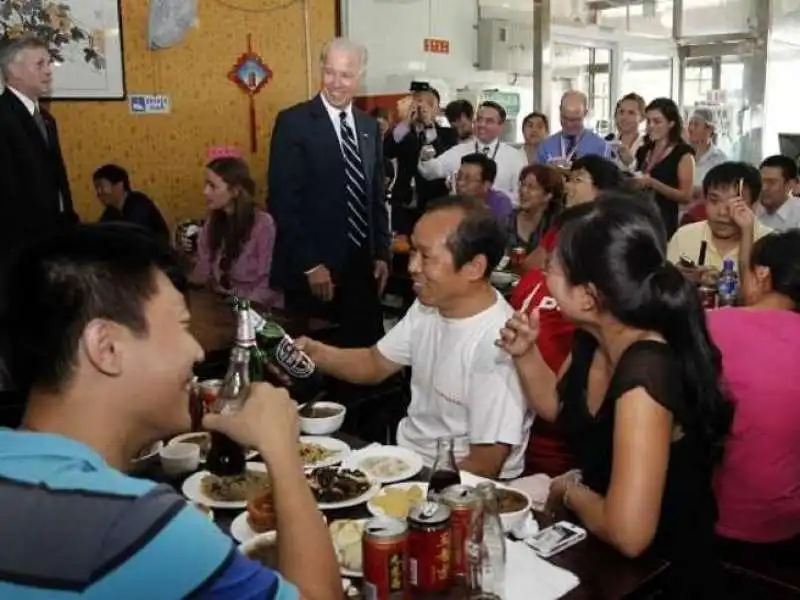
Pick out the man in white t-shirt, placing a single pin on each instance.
(462, 385)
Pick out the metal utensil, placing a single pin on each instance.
(307, 409)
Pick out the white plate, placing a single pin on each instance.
(378, 511)
(340, 449)
(411, 458)
(240, 528)
(191, 489)
(178, 439)
(373, 489)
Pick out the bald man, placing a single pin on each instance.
(574, 140)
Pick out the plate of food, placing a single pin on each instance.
(226, 492)
(202, 439)
(337, 487)
(387, 464)
(320, 451)
(396, 500)
(346, 536)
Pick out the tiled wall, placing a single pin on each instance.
(165, 153)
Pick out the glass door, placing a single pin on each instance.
(586, 68)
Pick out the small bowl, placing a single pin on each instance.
(323, 425)
(503, 278)
(512, 520)
(147, 458)
(179, 458)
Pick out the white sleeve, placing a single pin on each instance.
(396, 344)
(441, 166)
(497, 410)
(521, 164)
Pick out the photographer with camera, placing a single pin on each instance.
(417, 132)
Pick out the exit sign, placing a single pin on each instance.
(437, 46)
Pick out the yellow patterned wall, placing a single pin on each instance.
(165, 153)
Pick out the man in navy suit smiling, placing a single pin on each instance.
(327, 196)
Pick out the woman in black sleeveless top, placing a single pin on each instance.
(640, 400)
(665, 162)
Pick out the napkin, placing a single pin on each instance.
(529, 577)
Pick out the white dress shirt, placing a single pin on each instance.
(510, 161)
(336, 120)
(786, 217)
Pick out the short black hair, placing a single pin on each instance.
(113, 174)
(487, 165)
(458, 108)
(59, 285)
(729, 174)
(477, 233)
(494, 105)
(787, 166)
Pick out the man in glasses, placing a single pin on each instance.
(574, 140)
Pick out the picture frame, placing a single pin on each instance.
(85, 41)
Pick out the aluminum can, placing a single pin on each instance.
(430, 567)
(385, 549)
(463, 501)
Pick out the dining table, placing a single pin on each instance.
(604, 574)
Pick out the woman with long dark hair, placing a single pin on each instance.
(541, 199)
(234, 248)
(640, 398)
(665, 162)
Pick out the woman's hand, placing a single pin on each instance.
(520, 333)
(558, 487)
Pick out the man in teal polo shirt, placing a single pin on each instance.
(98, 333)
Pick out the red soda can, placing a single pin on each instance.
(463, 501)
(385, 549)
(708, 297)
(430, 567)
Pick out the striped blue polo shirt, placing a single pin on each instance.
(73, 527)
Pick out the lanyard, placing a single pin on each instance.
(564, 155)
(494, 154)
(654, 158)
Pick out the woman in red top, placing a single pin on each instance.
(547, 449)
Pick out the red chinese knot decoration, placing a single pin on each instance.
(251, 74)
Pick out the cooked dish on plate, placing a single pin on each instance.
(397, 502)
(509, 501)
(261, 512)
(314, 453)
(234, 488)
(346, 536)
(334, 484)
(384, 467)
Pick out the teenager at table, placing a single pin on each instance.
(758, 481)
(234, 248)
(98, 334)
(462, 385)
(641, 399)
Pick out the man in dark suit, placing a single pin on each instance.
(327, 196)
(35, 199)
(408, 138)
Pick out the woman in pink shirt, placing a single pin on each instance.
(758, 483)
(234, 248)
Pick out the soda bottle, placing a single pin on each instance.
(445, 470)
(727, 285)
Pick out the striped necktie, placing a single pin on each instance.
(357, 216)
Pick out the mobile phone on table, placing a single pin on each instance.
(556, 538)
(686, 262)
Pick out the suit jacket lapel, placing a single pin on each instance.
(365, 142)
(26, 119)
(328, 139)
